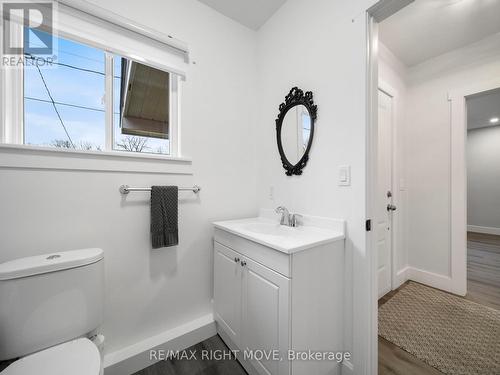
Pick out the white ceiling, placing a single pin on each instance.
(429, 28)
(251, 13)
(481, 108)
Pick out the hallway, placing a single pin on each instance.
(483, 276)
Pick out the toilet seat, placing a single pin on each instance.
(77, 357)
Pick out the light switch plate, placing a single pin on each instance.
(344, 175)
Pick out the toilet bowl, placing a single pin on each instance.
(76, 357)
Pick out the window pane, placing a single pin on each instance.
(86, 128)
(64, 103)
(141, 107)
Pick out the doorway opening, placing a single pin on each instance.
(437, 269)
(483, 198)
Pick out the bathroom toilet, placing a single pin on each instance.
(50, 305)
(77, 357)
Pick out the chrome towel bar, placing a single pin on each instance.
(125, 189)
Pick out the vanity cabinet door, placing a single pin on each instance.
(266, 317)
(227, 291)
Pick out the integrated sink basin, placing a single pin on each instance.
(271, 228)
(266, 230)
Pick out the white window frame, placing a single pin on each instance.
(12, 100)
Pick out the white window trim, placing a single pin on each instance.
(108, 102)
(174, 120)
(12, 89)
(50, 158)
(12, 104)
(93, 153)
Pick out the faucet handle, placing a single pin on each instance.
(296, 219)
(285, 215)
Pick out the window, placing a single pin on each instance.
(141, 107)
(65, 102)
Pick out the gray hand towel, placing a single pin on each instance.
(164, 226)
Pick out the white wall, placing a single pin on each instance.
(151, 291)
(483, 174)
(428, 149)
(319, 47)
(393, 72)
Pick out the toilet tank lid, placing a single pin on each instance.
(40, 264)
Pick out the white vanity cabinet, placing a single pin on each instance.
(269, 301)
(252, 306)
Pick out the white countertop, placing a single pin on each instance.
(268, 232)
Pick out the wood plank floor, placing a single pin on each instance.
(483, 269)
(483, 274)
(483, 286)
(198, 366)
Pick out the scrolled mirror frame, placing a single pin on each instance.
(294, 98)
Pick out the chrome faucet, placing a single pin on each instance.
(288, 219)
(285, 215)
(295, 221)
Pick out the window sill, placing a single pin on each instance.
(36, 157)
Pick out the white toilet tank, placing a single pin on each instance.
(49, 299)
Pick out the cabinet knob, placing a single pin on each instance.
(236, 260)
(243, 263)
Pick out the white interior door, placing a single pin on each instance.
(385, 207)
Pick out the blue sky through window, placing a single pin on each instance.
(76, 83)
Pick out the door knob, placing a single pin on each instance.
(391, 207)
(236, 260)
(243, 263)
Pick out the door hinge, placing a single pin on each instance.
(368, 225)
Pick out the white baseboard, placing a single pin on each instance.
(431, 279)
(486, 230)
(136, 357)
(347, 368)
(239, 354)
(400, 278)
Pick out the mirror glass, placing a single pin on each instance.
(295, 133)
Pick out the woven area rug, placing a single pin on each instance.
(454, 335)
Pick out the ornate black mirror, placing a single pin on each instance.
(295, 130)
